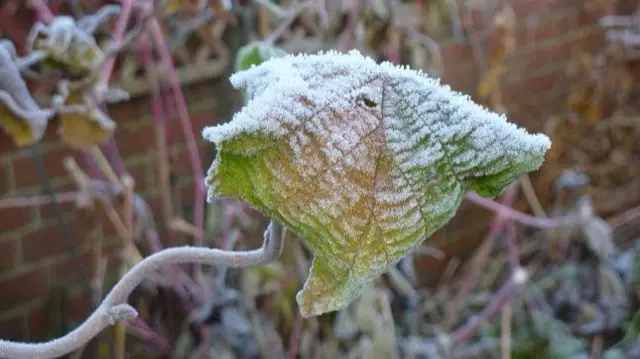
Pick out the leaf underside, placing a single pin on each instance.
(85, 129)
(364, 160)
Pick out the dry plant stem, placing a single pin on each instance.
(286, 20)
(118, 34)
(294, 337)
(542, 223)
(44, 13)
(185, 121)
(512, 246)
(120, 335)
(114, 307)
(70, 196)
(456, 22)
(161, 131)
(80, 178)
(121, 327)
(498, 301)
(505, 331)
(105, 167)
(478, 261)
(349, 33)
(141, 330)
(530, 195)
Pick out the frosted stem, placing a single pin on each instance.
(114, 308)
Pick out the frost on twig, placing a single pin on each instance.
(114, 308)
(364, 160)
(20, 115)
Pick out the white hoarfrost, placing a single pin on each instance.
(365, 160)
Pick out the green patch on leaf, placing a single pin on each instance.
(255, 53)
(363, 160)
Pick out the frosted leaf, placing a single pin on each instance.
(364, 160)
(255, 53)
(67, 44)
(20, 115)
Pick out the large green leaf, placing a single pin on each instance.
(364, 160)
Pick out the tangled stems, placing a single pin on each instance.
(114, 307)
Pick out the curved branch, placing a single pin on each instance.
(536, 222)
(114, 308)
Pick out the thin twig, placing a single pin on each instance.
(105, 167)
(118, 34)
(294, 338)
(511, 288)
(530, 195)
(185, 121)
(512, 245)
(505, 331)
(542, 223)
(44, 13)
(475, 267)
(114, 307)
(61, 197)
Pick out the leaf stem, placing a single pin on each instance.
(537, 222)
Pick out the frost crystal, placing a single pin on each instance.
(364, 160)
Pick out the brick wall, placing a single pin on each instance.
(33, 256)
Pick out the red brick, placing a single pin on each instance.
(108, 229)
(556, 53)
(48, 240)
(139, 172)
(7, 254)
(25, 171)
(39, 323)
(201, 120)
(79, 307)
(455, 53)
(541, 28)
(523, 90)
(129, 111)
(590, 41)
(67, 272)
(187, 193)
(12, 328)
(155, 202)
(541, 83)
(180, 161)
(112, 251)
(137, 141)
(6, 142)
(14, 218)
(22, 288)
(524, 8)
(465, 81)
(65, 207)
(5, 183)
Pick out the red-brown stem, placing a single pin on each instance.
(472, 325)
(44, 13)
(159, 118)
(349, 33)
(141, 329)
(520, 217)
(118, 34)
(294, 337)
(512, 245)
(185, 121)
